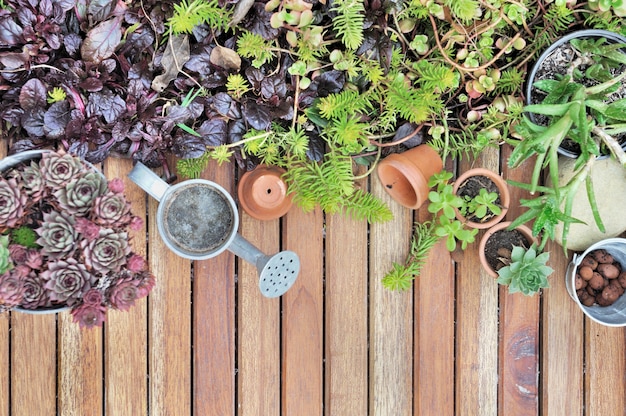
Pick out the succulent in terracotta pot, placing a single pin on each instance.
(485, 195)
(496, 245)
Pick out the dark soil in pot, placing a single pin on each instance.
(554, 66)
(472, 186)
(499, 246)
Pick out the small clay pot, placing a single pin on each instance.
(503, 191)
(405, 175)
(490, 232)
(263, 193)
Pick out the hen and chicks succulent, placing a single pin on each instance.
(64, 240)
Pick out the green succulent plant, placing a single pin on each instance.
(527, 272)
(5, 259)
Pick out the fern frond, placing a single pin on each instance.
(365, 206)
(349, 22)
(415, 105)
(402, 275)
(192, 168)
(511, 80)
(343, 103)
(347, 134)
(251, 45)
(438, 77)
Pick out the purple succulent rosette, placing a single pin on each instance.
(64, 240)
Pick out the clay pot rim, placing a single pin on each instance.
(244, 187)
(491, 231)
(505, 196)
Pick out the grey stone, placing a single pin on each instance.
(609, 184)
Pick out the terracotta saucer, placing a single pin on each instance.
(263, 194)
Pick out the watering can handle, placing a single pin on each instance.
(148, 181)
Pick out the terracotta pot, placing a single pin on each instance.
(405, 175)
(490, 232)
(503, 190)
(263, 193)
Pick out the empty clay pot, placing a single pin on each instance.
(490, 232)
(263, 193)
(405, 175)
(503, 190)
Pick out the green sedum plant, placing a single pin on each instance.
(527, 272)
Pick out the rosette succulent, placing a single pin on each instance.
(77, 197)
(11, 290)
(12, 203)
(112, 210)
(527, 272)
(57, 234)
(129, 287)
(108, 252)
(58, 168)
(88, 316)
(67, 280)
(35, 294)
(33, 182)
(64, 240)
(5, 260)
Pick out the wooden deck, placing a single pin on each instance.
(207, 343)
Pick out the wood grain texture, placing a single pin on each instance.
(605, 358)
(346, 322)
(5, 336)
(434, 335)
(33, 340)
(477, 324)
(391, 315)
(563, 342)
(519, 346)
(214, 322)
(80, 369)
(303, 316)
(258, 328)
(126, 333)
(169, 327)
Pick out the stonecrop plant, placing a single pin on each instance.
(64, 240)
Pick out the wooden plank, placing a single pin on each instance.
(5, 336)
(562, 336)
(258, 383)
(346, 317)
(214, 322)
(34, 385)
(169, 330)
(605, 359)
(477, 325)
(519, 347)
(391, 320)
(5, 359)
(303, 334)
(126, 333)
(80, 368)
(434, 314)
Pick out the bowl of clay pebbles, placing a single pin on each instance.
(596, 280)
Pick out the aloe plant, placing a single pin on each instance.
(578, 112)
